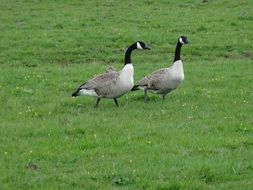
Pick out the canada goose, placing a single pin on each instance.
(164, 80)
(112, 84)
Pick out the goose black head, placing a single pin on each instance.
(142, 45)
(183, 40)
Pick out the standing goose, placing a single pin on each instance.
(112, 84)
(164, 80)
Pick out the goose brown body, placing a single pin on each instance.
(109, 85)
(163, 80)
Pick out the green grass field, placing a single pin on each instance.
(200, 137)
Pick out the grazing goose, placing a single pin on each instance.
(112, 84)
(164, 80)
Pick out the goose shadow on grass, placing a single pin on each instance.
(150, 98)
(84, 104)
(90, 104)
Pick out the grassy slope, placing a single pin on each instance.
(199, 138)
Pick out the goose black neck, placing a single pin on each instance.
(128, 53)
(178, 51)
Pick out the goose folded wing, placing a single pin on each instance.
(153, 80)
(101, 81)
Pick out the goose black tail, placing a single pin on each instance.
(136, 87)
(76, 93)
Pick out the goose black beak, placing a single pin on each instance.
(147, 47)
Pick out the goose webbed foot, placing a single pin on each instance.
(98, 99)
(116, 102)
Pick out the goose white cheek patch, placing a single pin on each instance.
(139, 45)
(181, 41)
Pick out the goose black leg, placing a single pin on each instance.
(98, 99)
(116, 102)
(164, 96)
(145, 94)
